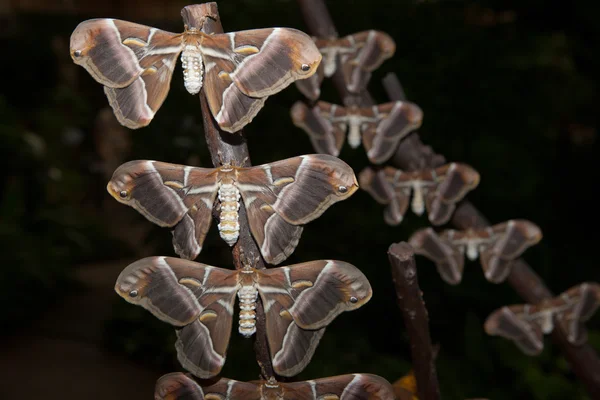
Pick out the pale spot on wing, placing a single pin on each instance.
(190, 281)
(208, 315)
(283, 181)
(301, 284)
(246, 50)
(133, 41)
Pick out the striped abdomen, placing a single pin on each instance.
(229, 226)
(193, 68)
(248, 296)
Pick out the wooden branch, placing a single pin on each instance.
(412, 154)
(231, 148)
(416, 319)
(524, 280)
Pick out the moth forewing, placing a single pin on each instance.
(509, 322)
(351, 386)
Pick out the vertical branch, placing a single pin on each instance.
(416, 319)
(231, 148)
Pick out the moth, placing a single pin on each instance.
(359, 55)
(437, 190)
(496, 246)
(381, 127)
(299, 302)
(238, 70)
(526, 324)
(343, 387)
(279, 197)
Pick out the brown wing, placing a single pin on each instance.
(512, 238)
(134, 63)
(343, 387)
(456, 180)
(579, 304)
(196, 297)
(283, 195)
(294, 323)
(401, 185)
(447, 257)
(311, 87)
(243, 68)
(396, 121)
(325, 137)
(509, 322)
(177, 386)
(170, 195)
(369, 50)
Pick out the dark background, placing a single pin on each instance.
(509, 87)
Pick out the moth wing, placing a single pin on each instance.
(402, 187)
(283, 195)
(371, 182)
(344, 387)
(457, 180)
(584, 300)
(512, 239)
(170, 195)
(398, 120)
(243, 68)
(370, 50)
(229, 389)
(325, 137)
(335, 285)
(134, 62)
(291, 347)
(177, 385)
(311, 87)
(509, 323)
(448, 259)
(191, 296)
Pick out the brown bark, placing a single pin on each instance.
(231, 148)
(416, 319)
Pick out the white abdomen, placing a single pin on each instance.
(248, 296)
(229, 226)
(193, 69)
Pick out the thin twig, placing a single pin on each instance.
(228, 148)
(416, 319)
(529, 285)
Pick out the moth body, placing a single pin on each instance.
(472, 250)
(354, 134)
(248, 294)
(193, 68)
(418, 204)
(229, 226)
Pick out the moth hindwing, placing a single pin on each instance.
(380, 128)
(238, 70)
(525, 324)
(343, 387)
(279, 197)
(497, 247)
(299, 302)
(435, 190)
